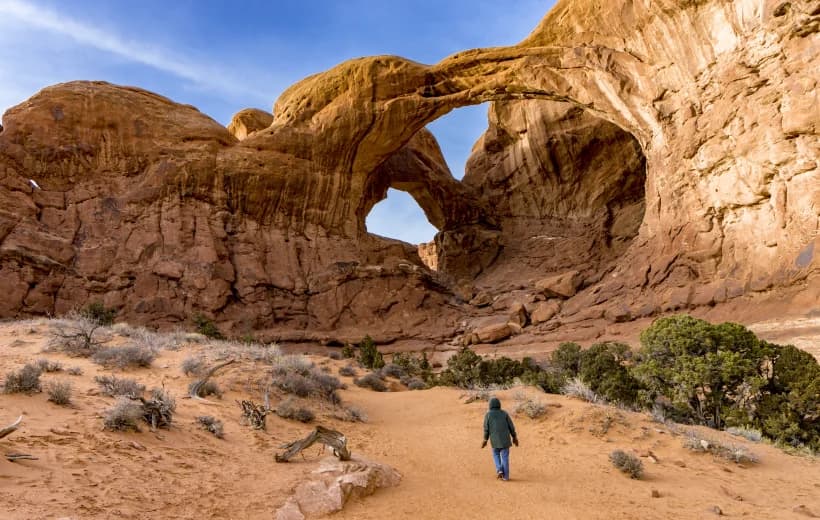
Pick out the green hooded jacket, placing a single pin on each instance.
(498, 427)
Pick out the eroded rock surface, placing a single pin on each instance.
(667, 151)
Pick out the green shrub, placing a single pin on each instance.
(601, 367)
(707, 371)
(789, 408)
(627, 463)
(466, 369)
(99, 313)
(207, 327)
(348, 352)
(412, 365)
(369, 355)
(567, 359)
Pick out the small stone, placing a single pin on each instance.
(137, 446)
(656, 493)
(716, 510)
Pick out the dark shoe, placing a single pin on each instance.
(500, 475)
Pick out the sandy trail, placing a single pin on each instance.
(562, 469)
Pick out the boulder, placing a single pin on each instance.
(333, 485)
(518, 315)
(482, 299)
(544, 311)
(563, 285)
(493, 333)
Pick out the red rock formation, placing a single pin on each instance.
(667, 151)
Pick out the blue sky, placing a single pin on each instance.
(224, 56)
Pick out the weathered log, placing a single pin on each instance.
(254, 413)
(20, 456)
(196, 386)
(336, 440)
(11, 427)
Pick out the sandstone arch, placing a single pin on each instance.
(158, 210)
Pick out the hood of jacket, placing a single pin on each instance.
(495, 404)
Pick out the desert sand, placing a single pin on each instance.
(432, 437)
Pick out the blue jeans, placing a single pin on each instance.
(501, 457)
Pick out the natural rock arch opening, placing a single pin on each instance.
(565, 188)
(549, 187)
(398, 216)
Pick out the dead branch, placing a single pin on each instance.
(159, 410)
(20, 456)
(254, 413)
(196, 386)
(336, 440)
(11, 427)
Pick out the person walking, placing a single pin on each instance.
(499, 428)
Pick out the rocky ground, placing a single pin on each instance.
(431, 437)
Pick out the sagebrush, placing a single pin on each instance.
(25, 380)
(59, 392)
(372, 381)
(627, 463)
(125, 356)
(125, 414)
(113, 386)
(289, 409)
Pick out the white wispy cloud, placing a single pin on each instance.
(203, 75)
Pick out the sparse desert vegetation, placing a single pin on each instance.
(627, 463)
(126, 356)
(124, 415)
(59, 392)
(24, 380)
(113, 386)
(281, 378)
(373, 381)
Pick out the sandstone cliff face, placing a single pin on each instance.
(667, 151)
(138, 210)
